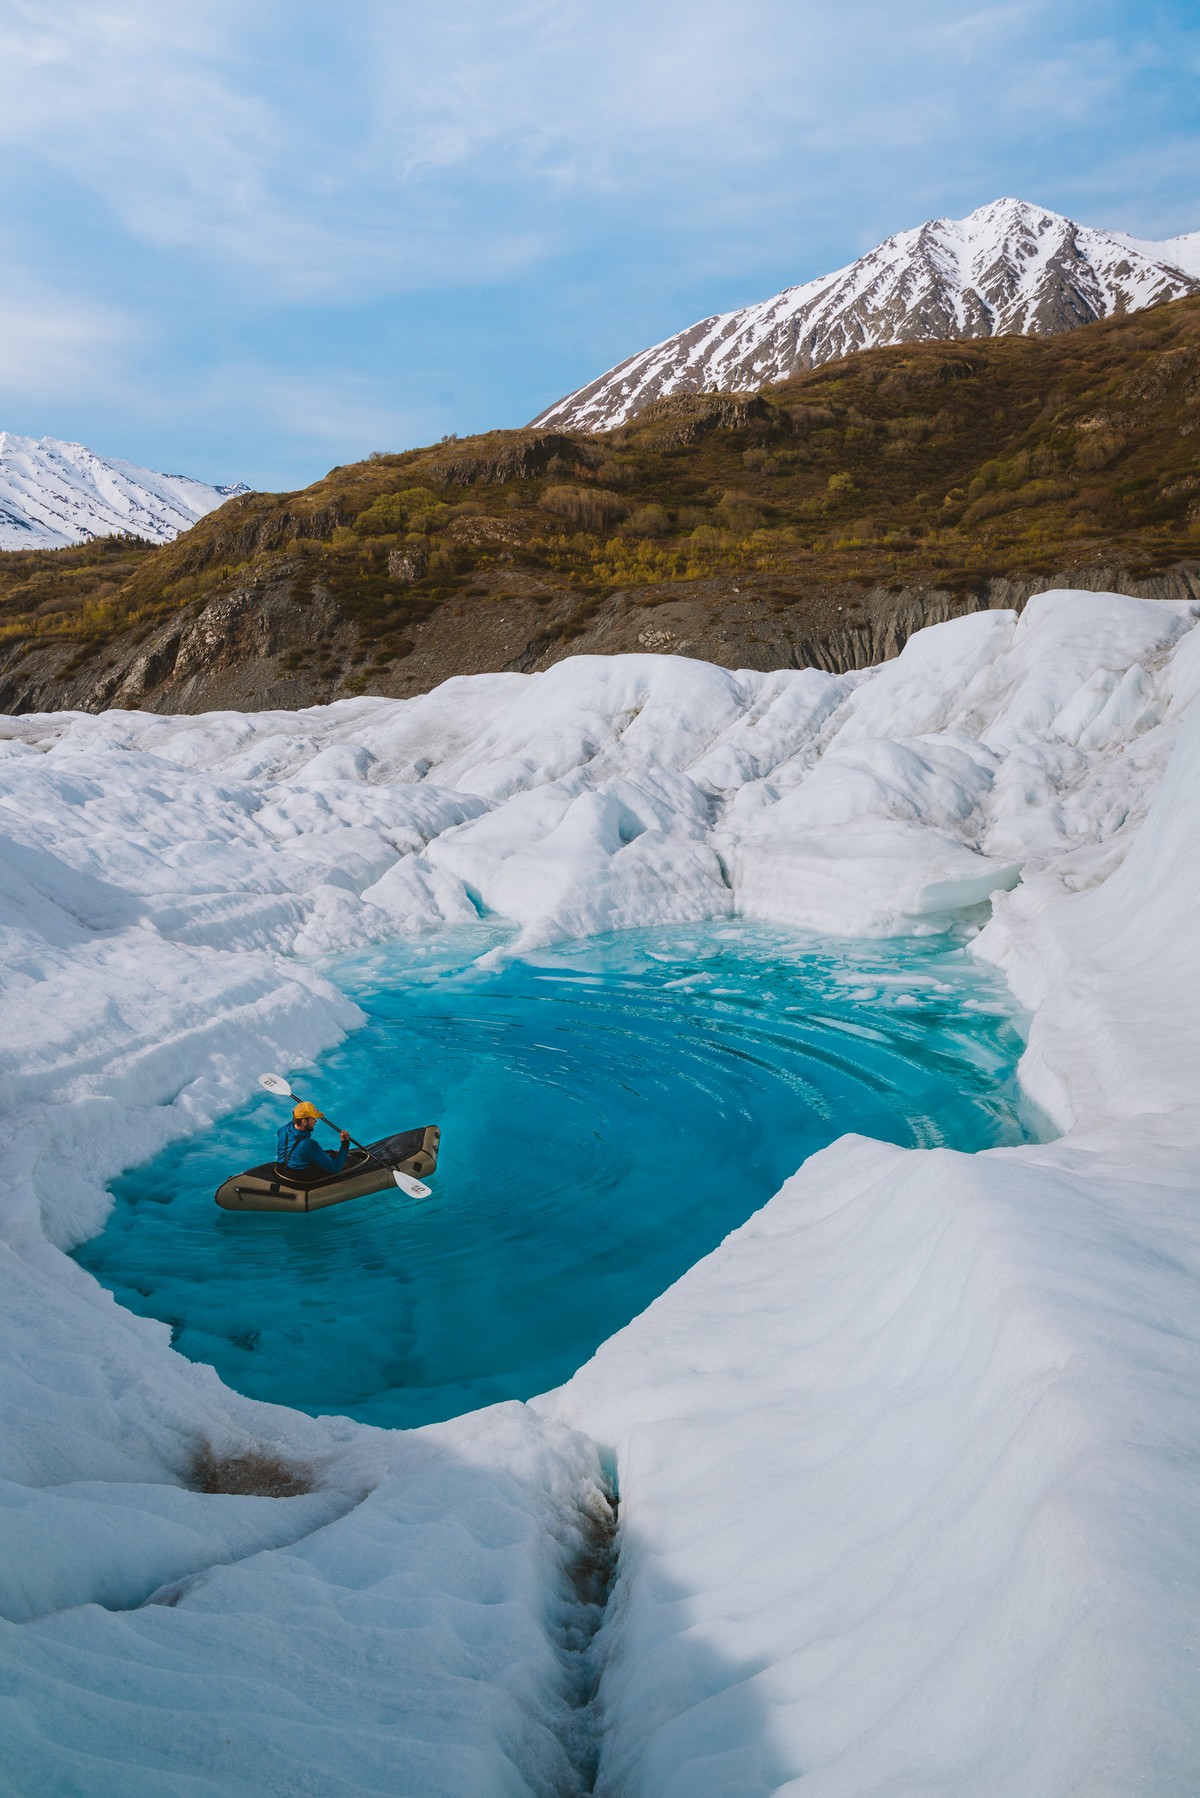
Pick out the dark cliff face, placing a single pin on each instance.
(819, 522)
(260, 649)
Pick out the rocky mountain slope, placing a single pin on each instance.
(53, 494)
(1008, 268)
(817, 523)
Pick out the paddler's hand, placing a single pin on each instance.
(345, 1136)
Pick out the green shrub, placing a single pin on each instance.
(648, 521)
(740, 512)
(411, 509)
(1099, 448)
(592, 508)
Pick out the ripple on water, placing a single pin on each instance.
(610, 1111)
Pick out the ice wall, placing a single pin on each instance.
(902, 1465)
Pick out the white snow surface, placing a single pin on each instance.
(907, 1466)
(1008, 267)
(53, 494)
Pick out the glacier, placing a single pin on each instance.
(905, 1467)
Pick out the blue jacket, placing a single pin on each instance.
(298, 1151)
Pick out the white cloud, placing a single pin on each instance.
(140, 104)
(317, 149)
(333, 411)
(51, 345)
(266, 185)
(223, 134)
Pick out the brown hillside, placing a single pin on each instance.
(822, 519)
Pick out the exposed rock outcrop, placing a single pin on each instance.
(275, 644)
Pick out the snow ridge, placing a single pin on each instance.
(53, 494)
(1009, 268)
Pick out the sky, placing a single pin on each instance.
(250, 239)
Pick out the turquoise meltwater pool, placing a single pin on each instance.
(610, 1110)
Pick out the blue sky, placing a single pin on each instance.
(243, 239)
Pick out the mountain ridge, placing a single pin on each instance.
(1008, 268)
(817, 523)
(55, 494)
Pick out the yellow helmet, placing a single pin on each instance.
(305, 1110)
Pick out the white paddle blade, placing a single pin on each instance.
(275, 1083)
(406, 1183)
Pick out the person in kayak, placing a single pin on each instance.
(300, 1154)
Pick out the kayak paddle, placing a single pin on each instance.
(275, 1083)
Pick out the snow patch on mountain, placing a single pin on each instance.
(1183, 252)
(1008, 268)
(53, 494)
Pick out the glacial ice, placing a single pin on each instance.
(905, 1466)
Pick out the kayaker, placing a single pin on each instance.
(299, 1153)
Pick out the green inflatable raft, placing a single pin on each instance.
(410, 1154)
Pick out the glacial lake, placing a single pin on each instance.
(610, 1110)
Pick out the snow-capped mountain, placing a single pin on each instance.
(54, 493)
(1008, 268)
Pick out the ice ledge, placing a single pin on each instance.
(905, 1501)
